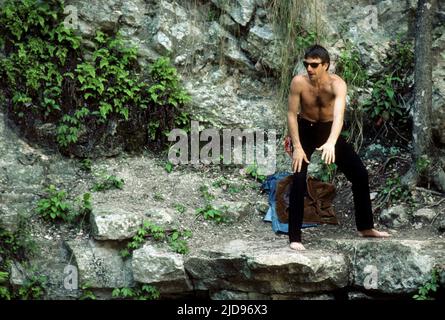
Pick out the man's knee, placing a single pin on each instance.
(360, 175)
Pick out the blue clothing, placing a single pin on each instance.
(269, 185)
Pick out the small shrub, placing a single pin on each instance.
(55, 206)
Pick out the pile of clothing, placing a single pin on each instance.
(318, 200)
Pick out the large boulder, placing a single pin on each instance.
(390, 266)
(99, 264)
(160, 267)
(247, 267)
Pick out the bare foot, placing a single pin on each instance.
(373, 233)
(297, 246)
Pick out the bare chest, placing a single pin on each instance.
(317, 98)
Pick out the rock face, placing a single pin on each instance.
(244, 267)
(229, 53)
(162, 268)
(114, 223)
(395, 217)
(400, 266)
(99, 265)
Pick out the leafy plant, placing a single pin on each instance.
(5, 293)
(86, 165)
(180, 208)
(394, 191)
(305, 38)
(47, 75)
(158, 196)
(252, 170)
(327, 172)
(55, 206)
(422, 164)
(140, 292)
(16, 245)
(169, 167)
(206, 193)
(350, 67)
(430, 286)
(225, 184)
(175, 238)
(87, 294)
(34, 287)
(385, 103)
(210, 213)
(108, 182)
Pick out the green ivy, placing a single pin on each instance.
(48, 74)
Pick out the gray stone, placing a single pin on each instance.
(100, 265)
(234, 210)
(163, 217)
(17, 275)
(163, 43)
(155, 265)
(394, 217)
(111, 223)
(240, 11)
(249, 267)
(263, 44)
(233, 102)
(15, 207)
(424, 215)
(262, 206)
(390, 266)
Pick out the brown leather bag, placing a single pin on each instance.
(317, 204)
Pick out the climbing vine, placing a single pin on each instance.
(48, 75)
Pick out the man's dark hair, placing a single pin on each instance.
(317, 51)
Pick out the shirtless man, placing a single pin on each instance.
(315, 118)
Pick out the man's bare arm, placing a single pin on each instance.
(340, 91)
(328, 149)
(298, 155)
(292, 112)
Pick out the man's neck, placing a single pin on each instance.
(322, 79)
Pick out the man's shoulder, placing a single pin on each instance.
(336, 79)
(298, 80)
(337, 83)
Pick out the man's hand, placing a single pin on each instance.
(328, 155)
(297, 159)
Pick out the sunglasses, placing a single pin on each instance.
(314, 65)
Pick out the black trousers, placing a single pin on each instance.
(313, 135)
